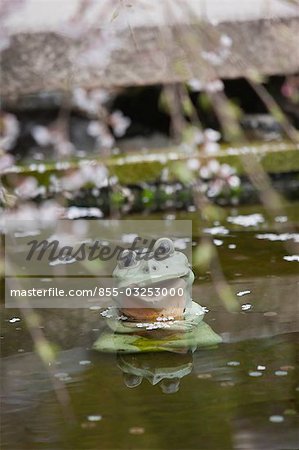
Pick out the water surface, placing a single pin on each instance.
(242, 394)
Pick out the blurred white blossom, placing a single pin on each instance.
(195, 85)
(119, 123)
(212, 135)
(221, 53)
(27, 188)
(101, 133)
(226, 41)
(90, 101)
(214, 86)
(28, 213)
(9, 130)
(88, 172)
(54, 135)
(41, 135)
(6, 161)
(216, 179)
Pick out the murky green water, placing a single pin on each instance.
(241, 395)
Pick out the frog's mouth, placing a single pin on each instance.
(165, 294)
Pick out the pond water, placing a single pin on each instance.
(241, 394)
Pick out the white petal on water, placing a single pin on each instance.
(170, 217)
(276, 419)
(216, 230)
(233, 363)
(14, 319)
(106, 313)
(281, 373)
(217, 242)
(58, 262)
(250, 220)
(246, 307)
(241, 293)
(61, 375)
(279, 237)
(255, 373)
(291, 258)
(94, 418)
(27, 233)
(281, 219)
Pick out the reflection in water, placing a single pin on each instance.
(166, 369)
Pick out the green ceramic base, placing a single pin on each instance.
(201, 336)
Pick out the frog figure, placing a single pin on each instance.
(154, 310)
(158, 286)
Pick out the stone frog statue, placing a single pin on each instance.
(154, 310)
(157, 287)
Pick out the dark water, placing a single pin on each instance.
(241, 395)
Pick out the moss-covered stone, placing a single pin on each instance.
(136, 168)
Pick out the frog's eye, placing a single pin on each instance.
(127, 259)
(163, 248)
